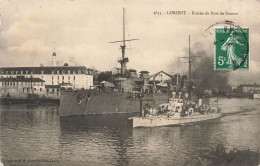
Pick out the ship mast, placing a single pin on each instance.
(190, 62)
(123, 27)
(123, 60)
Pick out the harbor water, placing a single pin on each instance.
(36, 135)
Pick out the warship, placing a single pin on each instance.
(127, 93)
(180, 109)
(177, 112)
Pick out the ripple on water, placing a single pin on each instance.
(37, 133)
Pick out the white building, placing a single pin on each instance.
(20, 86)
(54, 76)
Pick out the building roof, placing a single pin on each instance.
(44, 69)
(21, 79)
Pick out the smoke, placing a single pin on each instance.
(203, 73)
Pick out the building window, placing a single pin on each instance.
(21, 72)
(74, 78)
(41, 83)
(40, 89)
(68, 71)
(58, 72)
(58, 77)
(52, 72)
(47, 90)
(27, 72)
(74, 72)
(53, 90)
(62, 77)
(63, 72)
(52, 82)
(12, 72)
(16, 72)
(34, 88)
(31, 72)
(34, 83)
(42, 72)
(68, 77)
(79, 72)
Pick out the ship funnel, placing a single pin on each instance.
(132, 73)
(145, 76)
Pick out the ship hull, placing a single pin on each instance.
(168, 121)
(105, 102)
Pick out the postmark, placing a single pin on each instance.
(231, 46)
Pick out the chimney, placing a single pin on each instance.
(54, 63)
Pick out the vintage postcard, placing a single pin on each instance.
(92, 82)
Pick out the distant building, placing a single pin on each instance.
(248, 88)
(234, 88)
(177, 82)
(20, 86)
(27, 79)
(53, 77)
(78, 76)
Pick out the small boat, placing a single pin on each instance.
(177, 112)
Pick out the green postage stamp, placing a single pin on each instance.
(231, 48)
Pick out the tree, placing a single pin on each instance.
(105, 76)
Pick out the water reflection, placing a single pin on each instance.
(177, 144)
(28, 132)
(96, 137)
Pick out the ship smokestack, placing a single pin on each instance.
(54, 63)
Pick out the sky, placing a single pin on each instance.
(79, 31)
